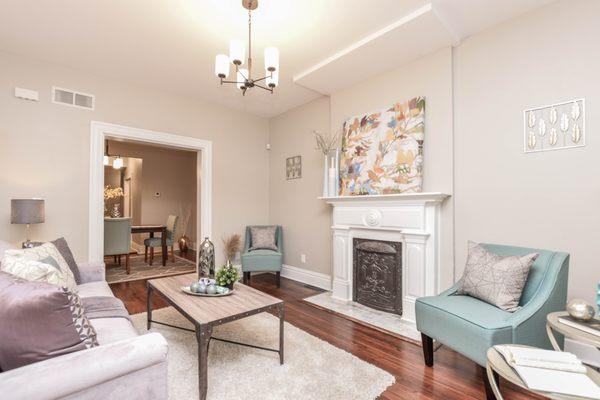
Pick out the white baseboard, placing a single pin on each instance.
(305, 276)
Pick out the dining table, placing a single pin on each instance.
(152, 229)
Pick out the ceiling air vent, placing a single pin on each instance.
(72, 98)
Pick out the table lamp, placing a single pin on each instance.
(27, 211)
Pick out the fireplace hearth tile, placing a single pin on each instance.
(380, 319)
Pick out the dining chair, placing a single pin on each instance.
(153, 242)
(117, 239)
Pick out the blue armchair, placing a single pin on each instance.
(262, 260)
(471, 326)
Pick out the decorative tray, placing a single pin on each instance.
(186, 289)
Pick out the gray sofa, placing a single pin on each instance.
(125, 365)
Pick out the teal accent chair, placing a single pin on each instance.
(470, 326)
(117, 239)
(262, 260)
(153, 242)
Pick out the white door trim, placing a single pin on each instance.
(99, 131)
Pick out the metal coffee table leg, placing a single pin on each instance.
(281, 321)
(203, 333)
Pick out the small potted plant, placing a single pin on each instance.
(227, 276)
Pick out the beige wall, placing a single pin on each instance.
(549, 199)
(430, 76)
(294, 204)
(170, 172)
(49, 149)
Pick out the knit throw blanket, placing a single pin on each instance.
(104, 307)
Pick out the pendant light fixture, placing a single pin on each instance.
(237, 52)
(118, 163)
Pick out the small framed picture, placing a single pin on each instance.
(293, 167)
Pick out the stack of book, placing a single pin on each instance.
(550, 371)
(592, 326)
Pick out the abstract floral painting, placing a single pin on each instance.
(382, 152)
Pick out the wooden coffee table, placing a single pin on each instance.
(207, 312)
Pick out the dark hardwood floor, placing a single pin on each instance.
(452, 376)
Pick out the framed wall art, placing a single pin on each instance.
(553, 127)
(382, 152)
(293, 167)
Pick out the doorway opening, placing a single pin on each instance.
(153, 188)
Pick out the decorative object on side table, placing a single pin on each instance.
(184, 240)
(556, 126)
(112, 194)
(329, 146)
(382, 151)
(580, 310)
(206, 259)
(27, 211)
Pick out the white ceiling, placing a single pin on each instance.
(171, 44)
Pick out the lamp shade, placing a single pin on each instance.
(273, 80)
(222, 65)
(105, 161)
(236, 52)
(271, 59)
(241, 78)
(27, 211)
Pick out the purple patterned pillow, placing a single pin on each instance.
(40, 321)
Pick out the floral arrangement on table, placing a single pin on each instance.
(227, 276)
(231, 245)
(111, 194)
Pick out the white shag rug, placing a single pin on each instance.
(312, 370)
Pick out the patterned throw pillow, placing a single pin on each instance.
(495, 279)
(263, 237)
(40, 264)
(40, 321)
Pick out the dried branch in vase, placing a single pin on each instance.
(231, 245)
(326, 143)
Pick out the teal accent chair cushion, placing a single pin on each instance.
(471, 326)
(117, 236)
(262, 260)
(171, 229)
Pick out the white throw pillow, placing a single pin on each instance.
(40, 264)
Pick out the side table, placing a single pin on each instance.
(497, 364)
(552, 325)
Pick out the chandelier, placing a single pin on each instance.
(243, 76)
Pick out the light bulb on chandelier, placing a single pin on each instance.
(237, 52)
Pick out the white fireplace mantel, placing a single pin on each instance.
(412, 219)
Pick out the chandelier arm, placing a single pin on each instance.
(265, 88)
(261, 79)
(232, 82)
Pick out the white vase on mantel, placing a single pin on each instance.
(331, 185)
(325, 176)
